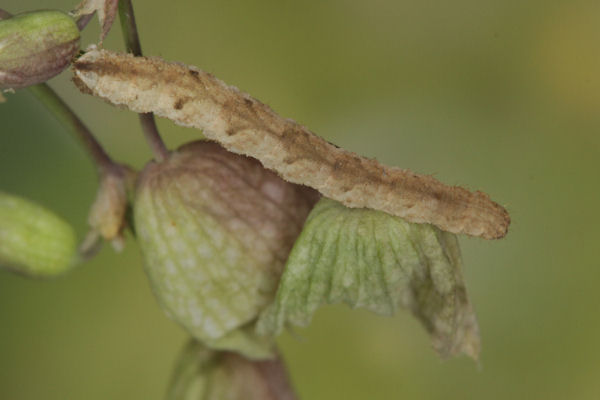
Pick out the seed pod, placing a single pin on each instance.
(36, 46)
(215, 230)
(33, 240)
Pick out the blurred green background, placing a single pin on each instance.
(501, 96)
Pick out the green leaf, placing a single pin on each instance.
(370, 259)
(33, 240)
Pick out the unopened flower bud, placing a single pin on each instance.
(215, 230)
(35, 46)
(206, 374)
(34, 241)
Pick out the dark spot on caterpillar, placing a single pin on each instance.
(181, 102)
(84, 66)
(195, 74)
(99, 67)
(82, 86)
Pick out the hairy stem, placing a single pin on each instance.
(71, 121)
(133, 45)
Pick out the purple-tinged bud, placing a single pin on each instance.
(202, 373)
(35, 46)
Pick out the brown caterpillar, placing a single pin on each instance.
(242, 124)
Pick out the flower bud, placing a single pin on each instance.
(206, 374)
(215, 230)
(35, 46)
(34, 241)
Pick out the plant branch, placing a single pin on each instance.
(66, 116)
(133, 45)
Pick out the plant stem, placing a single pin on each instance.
(153, 137)
(133, 45)
(129, 28)
(70, 120)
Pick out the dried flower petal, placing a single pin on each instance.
(215, 230)
(106, 9)
(244, 125)
(369, 259)
(107, 217)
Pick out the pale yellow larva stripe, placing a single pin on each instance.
(244, 125)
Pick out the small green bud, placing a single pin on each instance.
(204, 374)
(373, 260)
(215, 230)
(33, 240)
(35, 46)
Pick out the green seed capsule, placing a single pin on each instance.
(36, 46)
(215, 230)
(33, 240)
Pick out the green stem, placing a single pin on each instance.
(71, 121)
(129, 28)
(133, 45)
